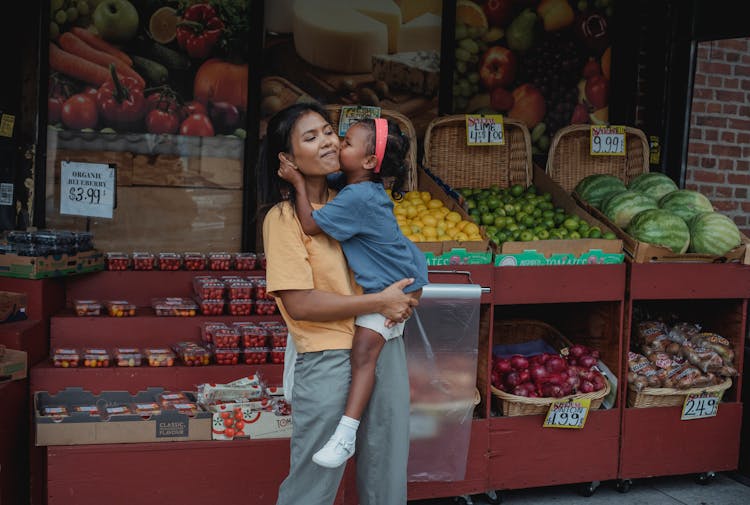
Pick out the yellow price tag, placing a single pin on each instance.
(568, 413)
(7, 122)
(608, 141)
(701, 405)
(485, 130)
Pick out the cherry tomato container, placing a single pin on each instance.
(276, 355)
(240, 289)
(254, 335)
(96, 357)
(211, 307)
(245, 261)
(262, 261)
(209, 328)
(226, 338)
(169, 261)
(210, 288)
(127, 356)
(193, 354)
(194, 261)
(143, 261)
(159, 356)
(219, 261)
(120, 308)
(265, 307)
(226, 356)
(279, 333)
(260, 288)
(255, 355)
(117, 261)
(176, 307)
(241, 307)
(66, 357)
(87, 307)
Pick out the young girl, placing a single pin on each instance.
(361, 218)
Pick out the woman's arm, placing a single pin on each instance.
(302, 205)
(316, 305)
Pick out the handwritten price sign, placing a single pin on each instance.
(350, 114)
(568, 414)
(87, 189)
(485, 130)
(608, 141)
(701, 405)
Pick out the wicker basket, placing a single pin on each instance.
(569, 159)
(515, 331)
(459, 165)
(668, 397)
(407, 128)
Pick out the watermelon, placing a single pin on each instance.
(713, 233)
(593, 189)
(685, 203)
(621, 207)
(662, 228)
(653, 184)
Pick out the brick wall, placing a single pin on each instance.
(718, 162)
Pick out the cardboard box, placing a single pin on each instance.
(12, 306)
(257, 424)
(83, 428)
(642, 252)
(459, 257)
(41, 267)
(13, 365)
(541, 257)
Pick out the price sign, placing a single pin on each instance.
(87, 189)
(7, 122)
(568, 413)
(352, 113)
(608, 141)
(698, 406)
(485, 130)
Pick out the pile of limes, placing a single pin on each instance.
(524, 214)
(426, 219)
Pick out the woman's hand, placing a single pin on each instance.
(289, 172)
(395, 305)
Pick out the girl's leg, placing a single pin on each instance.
(365, 350)
(321, 381)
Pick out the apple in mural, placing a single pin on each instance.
(116, 20)
(498, 67)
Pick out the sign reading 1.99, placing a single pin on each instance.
(87, 189)
(608, 141)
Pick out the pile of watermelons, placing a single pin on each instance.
(652, 209)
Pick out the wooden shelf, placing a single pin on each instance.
(559, 284)
(657, 281)
(45, 377)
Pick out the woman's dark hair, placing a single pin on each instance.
(272, 188)
(394, 159)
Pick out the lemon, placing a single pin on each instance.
(411, 212)
(461, 236)
(452, 232)
(163, 25)
(471, 14)
(429, 232)
(399, 211)
(429, 220)
(406, 230)
(461, 225)
(471, 229)
(426, 196)
(453, 216)
(413, 195)
(443, 238)
(434, 204)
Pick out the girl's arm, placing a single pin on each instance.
(316, 305)
(302, 205)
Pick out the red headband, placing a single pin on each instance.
(381, 139)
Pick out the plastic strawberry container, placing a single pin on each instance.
(118, 410)
(175, 307)
(55, 411)
(186, 407)
(245, 261)
(226, 356)
(87, 307)
(117, 261)
(127, 356)
(159, 356)
(241, 307)
(91, 410)
(240, 289)
(254, 335)
(168, 397)
(261, 293)
(279, 334)
(219, 261)
(227, 337)
(96, 357)
(143, 261)
(169, 261)
(120, 308)
(66, 357)
(276, 355)
(255, 355)
(194, 261)
(265, 307)
(211, 307)
(210, 288)
(147, 409)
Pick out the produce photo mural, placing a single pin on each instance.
(158, 89)
(543, 62)
(383, 53)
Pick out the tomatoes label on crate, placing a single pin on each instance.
(568, 413)
(485, 130)
(608, 141)
(701, 405)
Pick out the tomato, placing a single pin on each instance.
(159, 121)
(79, 111)
(197, 125)
(221, 81)
(161, 102)
(193, 108)
(90, 90)
(54, 109)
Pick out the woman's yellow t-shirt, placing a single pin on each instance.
(298, 261)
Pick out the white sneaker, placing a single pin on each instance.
(335, 453)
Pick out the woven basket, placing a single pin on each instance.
(515, 331)
(668, 397)
(459, 165)
(570, 160)
(407, 128)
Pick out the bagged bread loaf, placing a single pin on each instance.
(704, 359)
(653, 336)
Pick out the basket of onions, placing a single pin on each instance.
(528, 384)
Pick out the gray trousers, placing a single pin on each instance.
(321, 386)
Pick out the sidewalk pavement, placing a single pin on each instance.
(726, 489)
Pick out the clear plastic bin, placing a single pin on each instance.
(276, 356)
(120, 308)
(56, 411)
(241, 307)
(176, 307)
(279, 334)
(209, 288)
(253, 335)
(84, 240)
(169, 261)
(19, 237)
(211, 307)
(143, 261)
(127, 356)
(87, 307)
(194, 261)
(262, 261)
(147, 409)
(245, 261)
(265, 307)
(96, 357)
(91, 410)
(168, 397)
(66, 357)
(187, 408)
(209, 328)
(227, 337)
(193, 354)
(226, 356)
(118, 410)
(219, 261)
(159, 356)
(261, 293)
(117, 261)
(240, 289)
(255, 355)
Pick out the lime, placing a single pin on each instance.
(509, 209)
(500, 222)
(483, 208)
(609, 235)
(559, 218)
(543, 234)
(526, 236)
(488, 218)
(516, 190)
(548, 223)
(502, 236)
(493, 202)
(531, 190)
(471, 204)
(528, 221)
(491, 230)
(595, 232)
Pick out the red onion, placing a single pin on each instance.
(572, 361)
(535, 360)
(587, 361)
(533, 394)
(555, 378)
(524, 376)
(595, 354)
(587, 387)
(511, 380)
(520, 391)
(555, 364)
(578, 350)
(551, 390)
(518, 362)
(529, 386)
(599, 382)
(502, 365)
(496, 378)
(566, 389)
(545, 356)
(538, 373)
(586, 375)
(573, 381)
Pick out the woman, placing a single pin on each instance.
(319, 300)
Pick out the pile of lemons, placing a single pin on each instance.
(426, 219)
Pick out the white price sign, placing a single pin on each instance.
(87, 189)
(568, 413)
(608, 141)
(701, 405)
(485, 130)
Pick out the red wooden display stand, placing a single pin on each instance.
(577, 300)
(14, 427)
(44, 297)
(654, 440)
